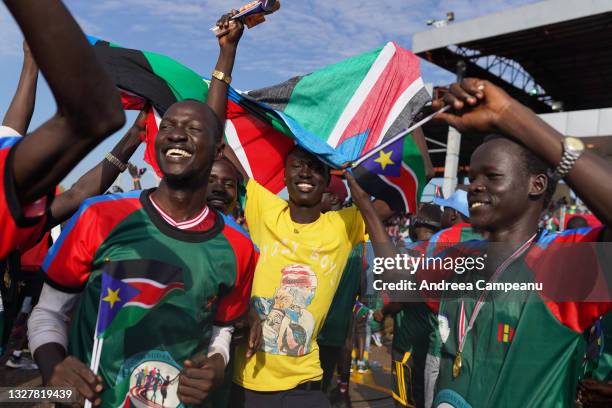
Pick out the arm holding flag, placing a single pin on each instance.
(221, 78)
(483, 107)
(67, 266)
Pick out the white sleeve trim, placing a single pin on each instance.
(49, 320)
(220, 342)
(7, 131)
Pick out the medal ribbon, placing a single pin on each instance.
(462, 331)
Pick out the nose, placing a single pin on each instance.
(476, 186)
(216, 187)
(177, 135)
(305, 171)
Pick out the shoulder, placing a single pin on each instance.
(586, 234)
(110, 205)
(238, 237)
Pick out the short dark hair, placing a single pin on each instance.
(532, 165)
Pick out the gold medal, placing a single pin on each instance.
(457, 365)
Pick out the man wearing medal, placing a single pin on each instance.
(519, 348)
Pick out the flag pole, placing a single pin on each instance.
(96, 351)
(397, 137)
(94, 364)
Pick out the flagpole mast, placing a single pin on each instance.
(96, 352)
(397, 137)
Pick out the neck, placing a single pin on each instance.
(515, 233)
(180, 202)
(304, 215)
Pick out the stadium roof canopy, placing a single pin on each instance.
(552, 55)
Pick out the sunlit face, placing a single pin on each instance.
(499, 188)
(185, 144)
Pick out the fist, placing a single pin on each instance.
(199, 377)
(72, 373)
(229, 31)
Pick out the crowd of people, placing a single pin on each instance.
(209, 290)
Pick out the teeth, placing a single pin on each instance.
(477, 204)
(177, 153)
(305, 186)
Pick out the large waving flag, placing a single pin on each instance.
(339, 113)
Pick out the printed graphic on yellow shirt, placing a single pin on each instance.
(287, 325)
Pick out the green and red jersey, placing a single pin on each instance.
(216, 268)
(415, 323)
(22, 227)
(523, 349)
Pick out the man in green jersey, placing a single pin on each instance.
(510, 349)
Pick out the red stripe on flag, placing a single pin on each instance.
(405, 181)
(500, 332)
(131, 102)
(150, 135)
(150, 295)
(393, 81)
(264, 146)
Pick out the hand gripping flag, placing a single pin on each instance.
(339, 113)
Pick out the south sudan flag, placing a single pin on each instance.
(131, 288)
(339, 113)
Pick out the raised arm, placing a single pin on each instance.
(381, 242)
(89, 107)
(229, 36)
(99, 179)
(484, 107)
(20, 110)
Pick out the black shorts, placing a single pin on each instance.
(295, 398)
(403, 390)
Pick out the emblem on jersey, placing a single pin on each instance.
(151, 380)
(443, 327)
(287, 324)
(505, 333)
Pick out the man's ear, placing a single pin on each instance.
(537, 186)
(219, 149)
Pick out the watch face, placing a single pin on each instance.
(573, 144)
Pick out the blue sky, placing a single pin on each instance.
(303, 36)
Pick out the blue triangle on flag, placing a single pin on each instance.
(387, 161)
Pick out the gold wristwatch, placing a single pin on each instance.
(222, 77)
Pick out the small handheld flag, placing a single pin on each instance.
(129, 290)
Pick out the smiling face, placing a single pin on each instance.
(501, 190)
(186, 142)
(306, 178)
(222, 193)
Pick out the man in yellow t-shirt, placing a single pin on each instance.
(302, 255)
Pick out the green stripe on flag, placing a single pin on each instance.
(184, 83)
(412, 158)
(331, 87)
